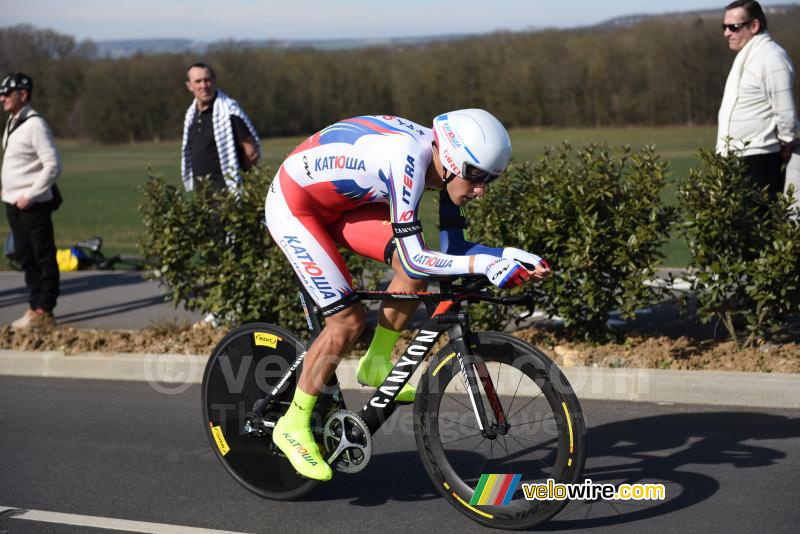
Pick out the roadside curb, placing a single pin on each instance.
(772, 390)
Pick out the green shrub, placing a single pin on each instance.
(216, 255)
(596, 216)
(744, 248)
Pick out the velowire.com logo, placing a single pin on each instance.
(495, 489)
(499, 490)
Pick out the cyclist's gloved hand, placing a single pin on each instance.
(511, 253)
(537, 266)
(506, 273)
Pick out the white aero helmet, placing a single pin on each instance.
(472, 144)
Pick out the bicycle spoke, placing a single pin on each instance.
(531, 422)
(526, 448)
(458, 402)
(513, 398)
(467, 453)
(616, 510)
(520, 439)
(461, 439)
(526, 405)
(491, 449)
(547, 466)
(459, 424)
(508, 455)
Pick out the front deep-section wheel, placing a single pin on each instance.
(543, 436)
(249, 362)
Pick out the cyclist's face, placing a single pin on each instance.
(462, 191)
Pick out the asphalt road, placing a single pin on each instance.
(97, 299)
(123, 451)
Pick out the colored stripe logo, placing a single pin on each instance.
(495, 489)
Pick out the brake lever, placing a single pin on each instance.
(479, 284)
(529, 310)
(526, 299)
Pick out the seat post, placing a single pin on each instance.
(446, 286)
(312, 313)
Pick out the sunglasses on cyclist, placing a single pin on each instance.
(735, 27)
(474, 175)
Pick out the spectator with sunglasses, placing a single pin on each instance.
(757, 118)
(358, 184)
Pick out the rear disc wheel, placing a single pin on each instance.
(246, 364)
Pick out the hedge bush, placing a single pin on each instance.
(745, 248)
(596, 215)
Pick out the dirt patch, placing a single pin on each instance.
(158, 339)
(657, 352)
(661, 352)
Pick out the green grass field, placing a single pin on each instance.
(99, 183)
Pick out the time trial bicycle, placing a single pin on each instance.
(486, 403)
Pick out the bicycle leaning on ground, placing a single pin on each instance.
(486, 403)
(85, 254)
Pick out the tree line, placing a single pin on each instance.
(658, 72)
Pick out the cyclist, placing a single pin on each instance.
(358, 183)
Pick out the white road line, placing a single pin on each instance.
(109, 523)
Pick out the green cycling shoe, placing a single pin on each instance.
(292, 435)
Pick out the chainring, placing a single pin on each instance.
(348, 441)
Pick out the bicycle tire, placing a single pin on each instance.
(239, 372)
(556, 450)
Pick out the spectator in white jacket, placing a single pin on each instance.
(757, 118)
(30, 168)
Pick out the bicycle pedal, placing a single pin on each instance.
(275, 450)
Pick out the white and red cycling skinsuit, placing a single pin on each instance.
(357, 183)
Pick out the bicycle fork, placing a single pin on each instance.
(473, 369)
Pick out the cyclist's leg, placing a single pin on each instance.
(397, 314)
(297, 226)
(367, 232)
(394, 316)
(292, 433)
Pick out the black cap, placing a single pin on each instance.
(16, 81)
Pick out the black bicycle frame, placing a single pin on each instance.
(445, 316)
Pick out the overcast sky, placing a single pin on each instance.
(210, 20)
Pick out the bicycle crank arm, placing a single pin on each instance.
(257, 426)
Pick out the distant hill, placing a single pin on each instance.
(129, 47)
(632, 20)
